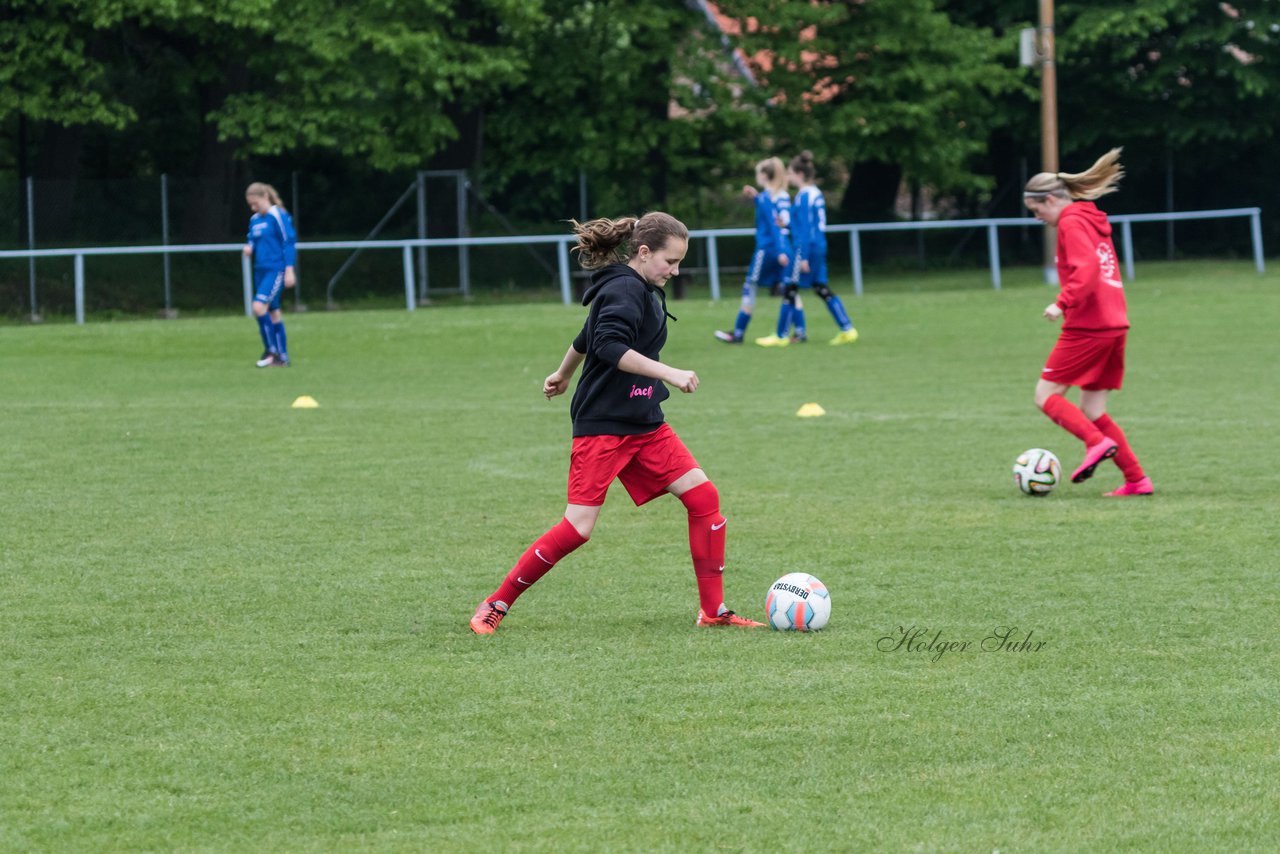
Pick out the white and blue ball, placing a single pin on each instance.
(798, 602)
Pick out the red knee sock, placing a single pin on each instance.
(537, 561)
(1069, 417)
(706, 544)
(1125, 458)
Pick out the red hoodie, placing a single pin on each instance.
(1092, 297)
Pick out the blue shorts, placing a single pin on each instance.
(817, 271)
(268, 286)
(764, 271)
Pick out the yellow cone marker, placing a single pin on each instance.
(811, 410)
(306, 402)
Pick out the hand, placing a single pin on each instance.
(290, 277)
(783, 260)
(248, 250)
(554, 385)
(686, 381)
(750, 192)
(804, 266)
(1052, 312)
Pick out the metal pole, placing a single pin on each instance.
(562, 255)
(1048, 125)
(464, 253)
(713, 266)
(164, 240)
(31, 244)
(993, 255)
(410, 301)
(1126, 242)
(1168, 202)
(79, 288)
(582, 195)
(422, 234)
(297, 224)
(246, 276)
(855, 256)
(1255, 228)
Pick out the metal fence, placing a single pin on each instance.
(563, 242)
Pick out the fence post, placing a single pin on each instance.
(410, 298)
(246, 274)
(164, 238)
(993, 255)
(31, 244)
(80, 287)
(855, 256)
(562, 256)
(713, 266)
(1126, 234)
(1255, 228)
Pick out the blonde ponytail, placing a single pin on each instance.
(1098, 180)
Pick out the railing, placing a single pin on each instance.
(564, 241)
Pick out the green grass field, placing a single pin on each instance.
(231, 625)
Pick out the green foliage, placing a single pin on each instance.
(898, 82)
(234, 626)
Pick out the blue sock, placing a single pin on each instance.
(837, 311)
(784, 318)
(740, 325)
(264, 327)
(277, 330)
(797, 320)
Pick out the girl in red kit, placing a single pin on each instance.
(1090, 349)
(618, 427)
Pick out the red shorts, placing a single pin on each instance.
(646, 464)
(1088, 361)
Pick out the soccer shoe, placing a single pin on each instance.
(728, 618)
(487, 616)
(727, 337)
(278, 362)
(1094, 454)
(1138, 487)
(773, 341)
(848, 336)
(799, 339)
(265, 361)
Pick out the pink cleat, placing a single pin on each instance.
(1137, 487)
(1094, 454)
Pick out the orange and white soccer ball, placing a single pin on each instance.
(798, 602)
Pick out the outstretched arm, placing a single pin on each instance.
(558, 382)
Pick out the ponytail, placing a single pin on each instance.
(257, 188)
(609, 241)
(1098, 180)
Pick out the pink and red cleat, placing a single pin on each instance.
(487, 617)
(1137, 487)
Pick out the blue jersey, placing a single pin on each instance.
(273, 240)
(769, 237)
(809, 223)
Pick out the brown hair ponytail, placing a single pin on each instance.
(608, 241)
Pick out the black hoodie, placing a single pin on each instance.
(627, 313)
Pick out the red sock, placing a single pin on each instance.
(1125, 458)
(537, 561)
(706, 544)
(1069, 417)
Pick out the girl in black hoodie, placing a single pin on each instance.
(618, 427)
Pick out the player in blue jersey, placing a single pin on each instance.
(809, 270)
(771, 255)
(273, 245)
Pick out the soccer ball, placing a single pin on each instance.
(798, 602)
(1037, 471)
